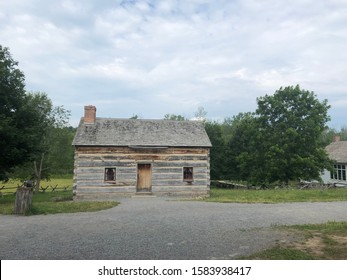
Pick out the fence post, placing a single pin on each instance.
(24, 197)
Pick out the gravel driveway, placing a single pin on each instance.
(157, 228)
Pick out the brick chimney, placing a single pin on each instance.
(89, 114)
(337, 138)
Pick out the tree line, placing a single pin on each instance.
(281, 141)
(284, 140)
(35, 139)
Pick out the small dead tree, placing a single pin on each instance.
(38, 172)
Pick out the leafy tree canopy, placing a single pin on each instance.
(26, 119)
(15, 143)
(219, 169)
(290, 124)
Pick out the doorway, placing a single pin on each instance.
(144, 177)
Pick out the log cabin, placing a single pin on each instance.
(131, 157)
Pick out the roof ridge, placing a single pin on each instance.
(164, 120)
(141, 132)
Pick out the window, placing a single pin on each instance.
(110, 174)
(188, 174)
(339, 172)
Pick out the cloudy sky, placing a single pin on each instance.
(151, 58)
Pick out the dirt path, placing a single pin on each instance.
(155, 228)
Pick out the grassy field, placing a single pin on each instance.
(55, 202)
(11, 186)
(319, 242)
(276, 195)
(279, 195)
(57, 198)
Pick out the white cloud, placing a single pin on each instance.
(173, 56)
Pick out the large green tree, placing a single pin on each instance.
(16, 143)
(29, 124)
(244, 148)
(60, 155)
(218, 155)
(290, 124)
(48, 133)
(49, 121)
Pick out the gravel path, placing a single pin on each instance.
(156, 228)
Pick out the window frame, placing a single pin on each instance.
(106, 174)
(339, 172)
(190, 177)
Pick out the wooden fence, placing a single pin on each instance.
(301, 185)
(12, 190)
(228, 185)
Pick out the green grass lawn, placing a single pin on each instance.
(275, 195)
(60, 201)
(11, 185)
(55, 202)
(320, 242)
(49, 201)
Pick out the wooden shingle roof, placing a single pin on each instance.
(137, 132)
(338, 151)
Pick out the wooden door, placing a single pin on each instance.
(144, 178)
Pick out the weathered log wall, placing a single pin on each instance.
(166, 164)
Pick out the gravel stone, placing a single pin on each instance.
(159, 228)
